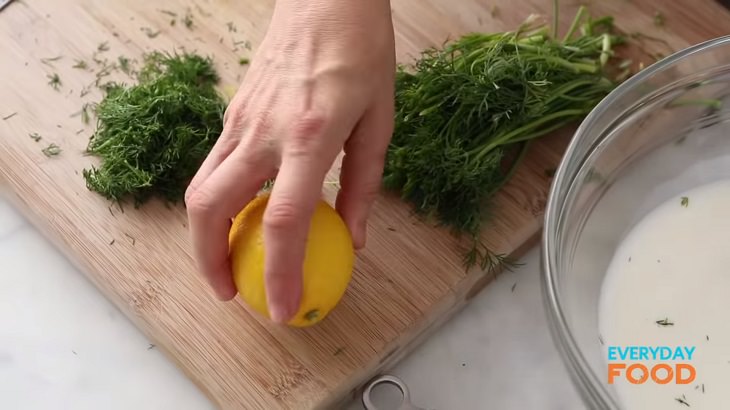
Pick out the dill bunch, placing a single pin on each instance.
(466, 113)
(151, 137)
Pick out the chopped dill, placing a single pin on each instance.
(81, 65)
(54, 81)
(152, 136)
(51, 150)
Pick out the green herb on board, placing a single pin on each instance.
(466, 113)
(102, 47)
(152, 136)
(49, 60)
(188, 20)
(150, 32)
(54, 81)
(84, 91)
(124, 64)
(35, 136)
(682, 400)
(169, 13)
(664, 322)
(243, 61)
(51, 150)
(84, 113)
(659, 19)
(9, 116)
(685, 201)
(81, 65)
(231, 27)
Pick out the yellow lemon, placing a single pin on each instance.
(327, 268)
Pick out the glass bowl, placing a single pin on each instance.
(655, 136)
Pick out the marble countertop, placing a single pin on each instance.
(64, 346)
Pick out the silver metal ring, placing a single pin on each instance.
(367, 401)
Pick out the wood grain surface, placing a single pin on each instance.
(406, 282)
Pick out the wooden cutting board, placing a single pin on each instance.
(409, 279)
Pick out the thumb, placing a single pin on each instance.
(362, 168)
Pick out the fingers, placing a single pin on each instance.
(226, 143)
(362, 169)
(212, 205)
(286, 226)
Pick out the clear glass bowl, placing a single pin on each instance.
(639, 147)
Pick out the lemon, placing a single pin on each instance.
(327, 269)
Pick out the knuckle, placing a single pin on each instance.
(370, 190)
(282, 216)
(234, 113)
(307, 132)
(198, 201)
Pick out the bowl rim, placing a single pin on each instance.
(593, 392)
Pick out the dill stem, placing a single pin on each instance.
(506, 138)
(574, 25)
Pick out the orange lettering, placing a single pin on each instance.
(692, 373)
(666, 379)
(613, 371)
(630, 373)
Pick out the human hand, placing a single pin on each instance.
(321, 81)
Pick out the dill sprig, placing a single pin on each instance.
(152, 136)
(465, 114)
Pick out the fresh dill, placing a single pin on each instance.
(188, 20)
(85, 118)
(84, 91)
(150, 32)
(81, 65)
(152, 136)
(659, 19)
(682, 400)
(51, 150)
(684, 201)
(49, 60)
(102, 47)
(243, 61)
(35, 136)
(231, 27)
(54, 81)
(123, 64)
(466, 113)
(9, 116)
(664, 322)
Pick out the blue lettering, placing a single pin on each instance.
(690, 352)
(666, 353)
(654, 350)
(678, 354)
(643, 353)
(634, 353)
(611, 352)
(623, 353)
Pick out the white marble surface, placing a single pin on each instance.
(63, 346)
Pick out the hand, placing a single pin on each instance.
(322, 81)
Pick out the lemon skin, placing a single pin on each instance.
(327, 268)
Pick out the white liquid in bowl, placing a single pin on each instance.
(672, 268)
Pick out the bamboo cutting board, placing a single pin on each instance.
(408, 280)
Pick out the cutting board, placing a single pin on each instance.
(408, 280)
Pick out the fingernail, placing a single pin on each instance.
(278, 314)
